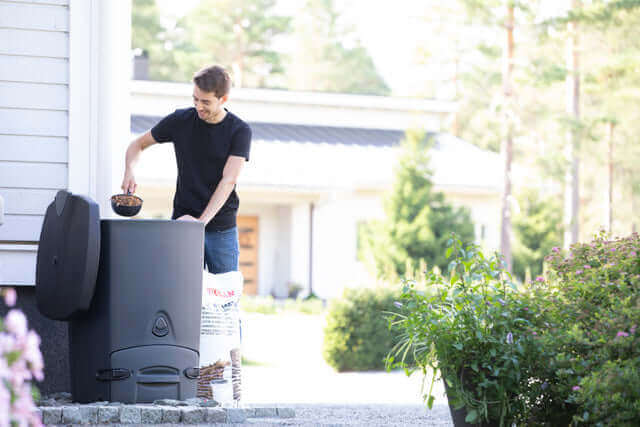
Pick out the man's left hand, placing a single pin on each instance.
(187, 218)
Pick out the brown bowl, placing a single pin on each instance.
(126, 204)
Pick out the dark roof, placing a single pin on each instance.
(300, 133)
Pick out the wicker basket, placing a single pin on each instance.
(207, 374)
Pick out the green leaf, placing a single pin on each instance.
(474, 366)
(458, 346)
(430, 402)
(472, 416)
(448, 252)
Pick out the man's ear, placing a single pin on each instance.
(224, 99)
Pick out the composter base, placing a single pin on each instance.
(155, 372)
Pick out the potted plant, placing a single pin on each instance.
(477, 331)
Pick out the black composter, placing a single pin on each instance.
(131, 291)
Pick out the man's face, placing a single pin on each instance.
(207, 104)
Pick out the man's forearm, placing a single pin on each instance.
(132, 155)
(219, 197)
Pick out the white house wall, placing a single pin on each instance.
(34, 107)
(273, 245)
(300, 225)
(63, 94)
(335, 264)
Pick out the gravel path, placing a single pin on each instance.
(292, 373)
(363, 415)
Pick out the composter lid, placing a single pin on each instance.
(68, 256)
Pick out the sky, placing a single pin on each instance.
(393, 32)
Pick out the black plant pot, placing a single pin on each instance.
(459, 415)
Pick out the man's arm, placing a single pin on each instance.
(131, 158)
(230, 175)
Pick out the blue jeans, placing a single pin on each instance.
(221, 250)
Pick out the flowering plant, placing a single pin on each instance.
(20, 363)
(597, 343)
(478, 331)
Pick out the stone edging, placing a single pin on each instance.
(110, 413)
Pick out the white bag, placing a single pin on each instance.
(220, 333)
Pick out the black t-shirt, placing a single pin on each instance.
(201, 151)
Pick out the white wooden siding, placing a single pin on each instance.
(33, 69)
(34, 43)
(42, 96)
(26, 16)
(21, 228)
(48, 176)
(33, 122)
(34, 105)
(23, 201)
(27, 148)
(17, 264)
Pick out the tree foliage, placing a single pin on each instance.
(419, 221)
(327, 57)
(537, 229)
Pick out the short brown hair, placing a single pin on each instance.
(214, 79)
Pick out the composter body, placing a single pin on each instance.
(138, 339)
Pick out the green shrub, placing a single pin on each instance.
(357, 335)
(595, 317)
(610, 396)
(536, 228)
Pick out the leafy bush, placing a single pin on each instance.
(537, 228)
(478, 331)
(560, 350)
(596, 314)
(357, 336)
(610, 396)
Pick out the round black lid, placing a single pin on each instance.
(68, 256)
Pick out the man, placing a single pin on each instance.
(211, 145)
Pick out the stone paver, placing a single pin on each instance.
(192, 415)
(130, 414)
(71, 415)
(89, 414)
(51, 415)
(108, 414)
(151, 415)
(216, 415)
(170, 414)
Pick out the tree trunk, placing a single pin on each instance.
(507, 142)
(572, 179)
(609, 201)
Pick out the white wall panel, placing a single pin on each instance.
(33, 148)
(21, 228)
(20, 201)
(33, 122)
(18, 265)
(34, 69)
(34, 16)
(34, 43)
(34, 95)
(33, 175)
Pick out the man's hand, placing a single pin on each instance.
(131, 158)
(187, 218)
(129, 183)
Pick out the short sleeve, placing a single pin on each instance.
(163, 131)
(241, 142)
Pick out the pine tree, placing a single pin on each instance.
(537, 228)
(418, 220)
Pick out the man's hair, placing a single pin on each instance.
(214, 79)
